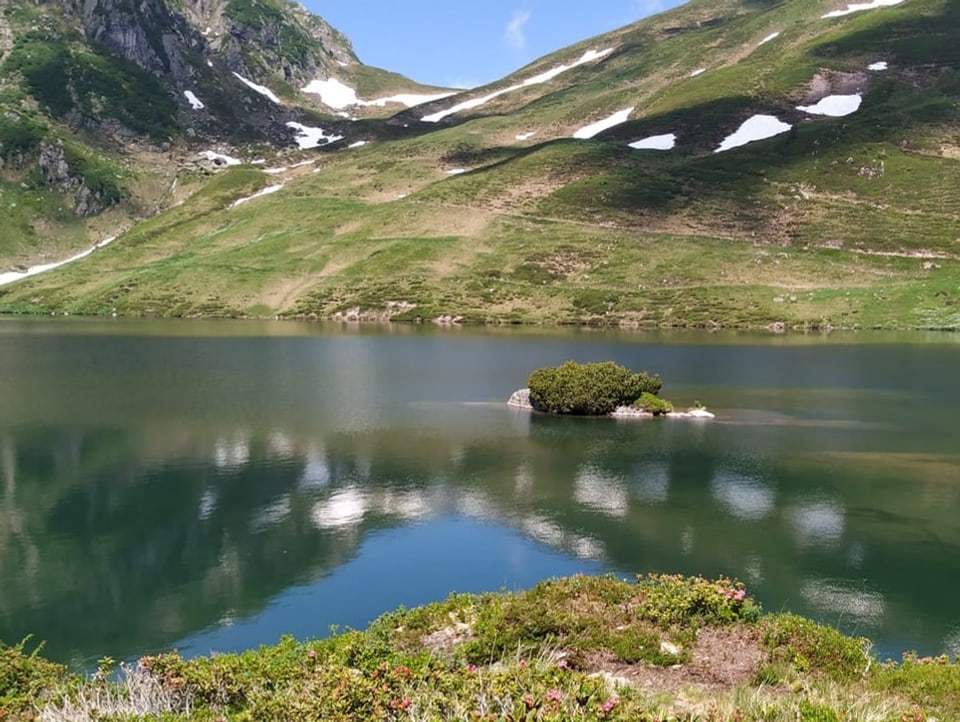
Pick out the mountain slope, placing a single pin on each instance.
(104, 103)
(496, 212)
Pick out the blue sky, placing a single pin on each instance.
(463, 44)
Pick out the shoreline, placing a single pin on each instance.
(769, 330)
(520, 399)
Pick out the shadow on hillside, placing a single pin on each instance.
(919, 40)
(608, 179)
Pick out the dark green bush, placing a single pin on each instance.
(591, 389)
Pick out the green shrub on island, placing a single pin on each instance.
(588, 389)
(654, 404)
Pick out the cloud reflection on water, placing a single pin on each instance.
(836, 597)
(743, 497)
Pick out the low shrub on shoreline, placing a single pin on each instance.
(657, 649)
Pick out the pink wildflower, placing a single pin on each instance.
(312, 654)
(522, 664)
(529, 700)
(554, 695)
(608, 706)
(563, 664)
(471, 668)
(739, 595)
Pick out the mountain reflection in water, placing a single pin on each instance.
(284, 499)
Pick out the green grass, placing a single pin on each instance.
(843, 222)
(666, 648)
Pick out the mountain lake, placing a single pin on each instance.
(211, 486)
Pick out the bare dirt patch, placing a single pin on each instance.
(835, 83)
(445, 640)
(721, 659)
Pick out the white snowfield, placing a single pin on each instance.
(227, 159)
(656, 142)
(308, 137)
(834, 106)
(357, 144)
(879, 65)
(587, 57)
(593, 129)
(337, 95)
(194, 101)
(262, 89)
(265, 192)
(698, 71)
(860, 7)
(770, 37)
(759, 127)
(526, 136)
(456, 171)
(12, 276)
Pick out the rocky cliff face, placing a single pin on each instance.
(262, 40)
(145, 32)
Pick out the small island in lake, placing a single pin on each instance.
(598, 389)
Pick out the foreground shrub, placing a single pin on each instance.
(25, 678)
(809, 647)
(591, 389)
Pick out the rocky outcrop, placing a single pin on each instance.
(632, 412)
(293, 45)
(53, 165)
(520, 399)
(274, 40)
(144, 32)
(57, 174)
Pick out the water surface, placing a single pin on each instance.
(211, 486)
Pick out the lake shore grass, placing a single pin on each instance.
(665, 648)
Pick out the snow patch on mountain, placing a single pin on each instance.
(265, 192)
(225, 159)
(308, 137)
(333, 93)
(526, 136)
(759, 127)
(194, 101)
(587, 57)
(409, 99)
(593, 129)
(771, 36)
(338, 95)
(12, 276)
(860, 7)
(834, 106)
(879, 65)
(698, 71)
(262, 89)
(656, 142)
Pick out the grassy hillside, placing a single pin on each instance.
(129, 132)
(665, 648)
(495, 214)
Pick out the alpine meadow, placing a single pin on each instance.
(250, 166)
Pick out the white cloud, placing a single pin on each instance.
(514, 34)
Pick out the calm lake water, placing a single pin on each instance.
(211, 486)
